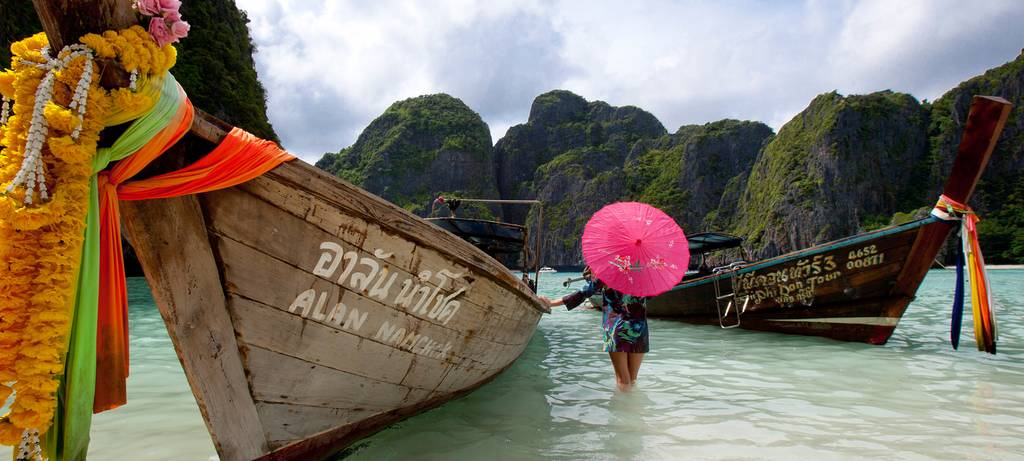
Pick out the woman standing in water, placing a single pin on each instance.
(632, 250)
(624, 325)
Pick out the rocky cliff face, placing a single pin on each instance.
(418, 149)
(593, 135)
(569, 155)
(572, 189)
(842, 163)
(697, 174)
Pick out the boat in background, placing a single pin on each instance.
(505, 242)
(549, 270)
(497, 239)
(306, 312)
(852, 289)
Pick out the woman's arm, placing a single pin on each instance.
(552, 302)
(570, 301)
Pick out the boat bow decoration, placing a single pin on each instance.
(63, 299)
(969, 250)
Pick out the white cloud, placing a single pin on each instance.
(331, 67)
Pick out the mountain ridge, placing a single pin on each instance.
(843, 165)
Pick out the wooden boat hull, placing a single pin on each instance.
(841, 290)
(853, 289)
(308, 313)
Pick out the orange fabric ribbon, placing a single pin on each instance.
(239, 158)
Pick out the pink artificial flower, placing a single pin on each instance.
(148, 7)
(159, 31)
(180, 29)
(172, 17)
(169, 5)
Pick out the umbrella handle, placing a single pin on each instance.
(571, 280)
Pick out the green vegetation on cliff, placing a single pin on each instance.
(693, 174)
(17, 20)
(216, 68)
(654, 179)
(839, 164)
(417, 149)
(844, 165)
(999, 197)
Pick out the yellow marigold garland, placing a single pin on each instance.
(41, 244)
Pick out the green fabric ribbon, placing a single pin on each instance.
(68, 436)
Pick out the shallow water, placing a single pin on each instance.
(703, 393)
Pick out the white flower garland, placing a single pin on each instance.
(5, 111)
(31, 175)
(29, 449)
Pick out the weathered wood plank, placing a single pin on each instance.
(455, 381)
(235, 214)
(169, 237)
(64, 22)
(283, 379)
(289, 422)
(272, 329)
(326, 443)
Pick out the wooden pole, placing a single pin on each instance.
(64, 22)
(540, 232)
(984, 124)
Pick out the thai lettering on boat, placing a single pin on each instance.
(417, 295)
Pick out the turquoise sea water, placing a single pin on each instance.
(703, 393)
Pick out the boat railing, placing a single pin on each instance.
(733, 266)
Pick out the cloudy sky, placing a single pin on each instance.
(331, 67)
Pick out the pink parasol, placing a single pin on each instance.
(635, 248)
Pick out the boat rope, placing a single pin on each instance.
(969, 254)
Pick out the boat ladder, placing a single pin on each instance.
(729, 298)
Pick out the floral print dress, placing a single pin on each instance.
(624, 321)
